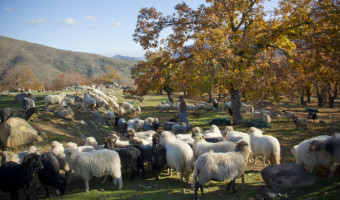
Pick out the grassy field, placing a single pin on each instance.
(171, 187)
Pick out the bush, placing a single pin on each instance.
(312, 110)
(221, 121)
(258, 123)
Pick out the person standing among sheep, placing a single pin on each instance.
(182, 110)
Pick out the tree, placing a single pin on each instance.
(22, 77)
(110, 74)
(232, 34)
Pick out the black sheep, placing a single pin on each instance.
(312, 116)
(15, 177)
(158, 155)
(7, 113)
(49, 174)
(130, 157)
(230, 111)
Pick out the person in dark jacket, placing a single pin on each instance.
(182, 111)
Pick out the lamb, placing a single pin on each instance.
(300, 122)
(289, 115)
(213, 132)
(181, 129)
(130, 157)
(158, 155)
(179, 155)
(16, 176)
(312, 153)
(54, 99)
(27, 103)
(98, 163)
(201, 146)
(49, 174)
(81, 148)
(265, 145)
(7, 113)
(221, 166)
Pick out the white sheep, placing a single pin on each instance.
(79, 148)
(201, 146)
(267, 118)
(164, 107)
(58, 149)
(265, 145)
(213, 132)
(247, 108)
(54, 99)
(235, 136)
(187, 138)
(91, 141)
(300, 122)
(145, 135)
(201, 106)
(257, 114)
(121, 111)
(221, 166)
(19, 157)
(179, 155)
(192, 108)
(98, 163)
(308, 155)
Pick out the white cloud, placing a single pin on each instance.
(119, 24)
(70, 21)
(36, 21)
(91, 18)
(8, 9)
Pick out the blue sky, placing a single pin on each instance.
(102, 27)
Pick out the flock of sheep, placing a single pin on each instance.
(210, 155)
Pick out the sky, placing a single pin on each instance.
(103, 27)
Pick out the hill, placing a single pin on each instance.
(120, 57)
(47, 62)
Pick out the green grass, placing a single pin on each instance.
(171, 187)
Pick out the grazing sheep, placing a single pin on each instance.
(121, 111)
(323, 123)
(158, 155)
(192, 108)
(201, 106)
(164, 107)
(110, 117)
(81, 148)
(153, 126)
(16, 176)
(49, 174)
(130, 157)
(98, 163)
(27, 103)
(7, 113)
(186, 137)
(221, 166)
(300, 122)
(257, 114)
(313, 153)
(54, 99)
(181, 129)
(122, 124)
(213, 132)
(235, 136)
(89, 101)
(289, 115)
(247, 108)
(179, 155)
(265, 145)
(201, 146)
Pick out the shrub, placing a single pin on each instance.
(258, 123)
(312, 110)
(221, 121)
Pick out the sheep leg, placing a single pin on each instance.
(242, 179)
(201, 186)
(103, 180)
(87, 186)
(132, 174)
(264, 161)
(233, 181)
(196, 189)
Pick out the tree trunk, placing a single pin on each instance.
(331, 98)
(308, 94)
(168, 91)
(321, 95)
(302, 97)
(236, 106)
(210, 97)
(185, 93)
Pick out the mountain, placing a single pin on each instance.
(46, 62)
(120, 57)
